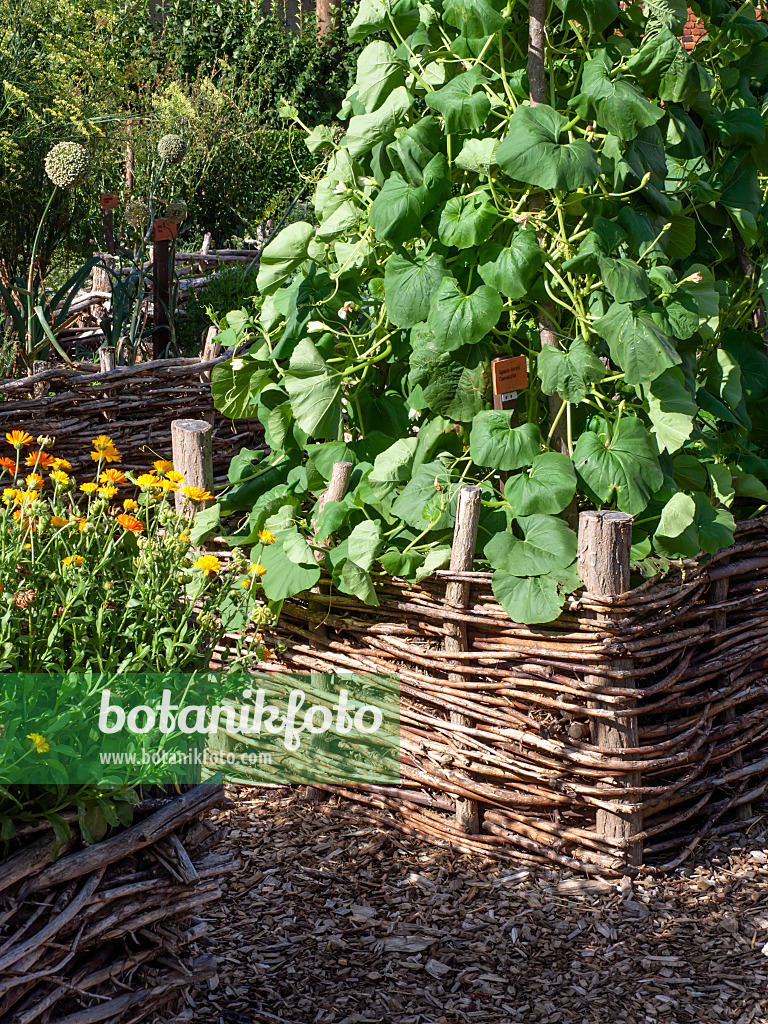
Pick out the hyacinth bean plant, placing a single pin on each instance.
(600, 213)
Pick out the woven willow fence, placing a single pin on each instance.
(620, 734)
(134, 405)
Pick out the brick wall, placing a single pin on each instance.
(692, 32)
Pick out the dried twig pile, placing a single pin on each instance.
(693, 643)
(108, 932)
(135, 405)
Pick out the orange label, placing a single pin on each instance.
(509, 374)
(109, 201)
(165, 230)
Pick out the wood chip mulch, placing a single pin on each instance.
(332, 920)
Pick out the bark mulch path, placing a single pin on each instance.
(332, 920)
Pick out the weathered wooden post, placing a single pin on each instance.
(164, 232)
(192, 457)
(107, 358)
(457, 596)
(605, 539)
(41, 388)
(211, 350)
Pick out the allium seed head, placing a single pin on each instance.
(176, 211)
(67, 164)
(172, 148)
(137, 214)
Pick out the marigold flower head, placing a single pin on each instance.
(61, 463)
(8, 463)
(266, 537)
(246, 584)
(162, 466)
(107, 491)
(184, 536)
(58, 521)
(27, 497)
(76, 560)
(148, 480)
(39, 742)
(130, 504)
(18, 438)
(208, 563)
(130, 523)
(10, 494)
(257, 569)
(35, 459)
(106, 455)
(113, 476)
(196, 493)
(60, 477)
(173, 475)
(81, 523)
(102, 442)
(34, 482)
(89, 488)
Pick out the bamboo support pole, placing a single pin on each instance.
(193, 458)
(457, 596)
(605, 539)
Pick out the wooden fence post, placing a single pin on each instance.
(457, 596)
(42, 387)
(107, 358)
(605, 539)
(211, 350)
(193, 457)
(161, 273)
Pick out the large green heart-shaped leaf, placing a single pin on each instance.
(689, 525)
(569, 374)
(466, 221)
(379, 72)
(624, 279)
(531, 151)
(671, 409)
(594, 15)
(235, 386)
(672, 13)
(392, 467)
(364, 542)
(547, 545)
(315, 392)
(284, 576)
(476, 19)
(456, 319)
(410, 285)
(396, 212)
(366, 130)
(375, 16)
(546, 488)
(495, 444)
(614, 103)
(414, 149)
(532, 599)
(453, 384)
(514, 268)
(624, 467)
(462, 106)
(429, 499)
(281, 257)
(638, 346)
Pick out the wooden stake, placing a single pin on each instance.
(457, 596)
(605, 539)
(161, 272)
(107, 358)
(41, 389)
(193, 457)
(211, 349)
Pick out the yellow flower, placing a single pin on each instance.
(113, 476)
(58, 521)
(107, 491)
(10, 494)
(39, 742)
(196, 493)
(73, 560)
(89, 488)
(169, 486)
(61, 477)
(184, 536)
(27, 497)
(173, 475)
(245, 583)
(102, 442)
(257, 569)
(18, 438)
(80, 520)
(34, 482)
(35, 459)
(61, 464)
(106, 455)
(129, 504)
(266, 537)
(208, 563)
(162, 466)
(148, 480)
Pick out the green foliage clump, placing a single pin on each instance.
(610, 230)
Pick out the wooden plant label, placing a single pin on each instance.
(109, 200)
(165, 230)
(509, 374)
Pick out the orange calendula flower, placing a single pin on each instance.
(208, 563)
(107, 491)
(148, 480)
(76, 560)
(81, 524)
(18, 438)
(58, 521)
(266, 537)
(27, 497)
(60, 477)
(39, 459)
(89, 488)
(169, 486)
(130, 523)
(130, 504)
(34, 482)
(113, 476)
(196, 493)
(162, 466)
(173, 475)
(61, 464)
(39, 742)
(8, 463)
